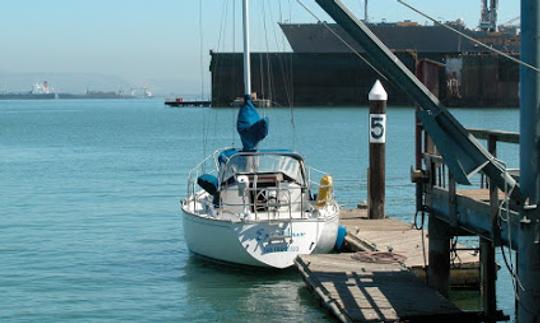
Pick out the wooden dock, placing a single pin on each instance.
(356, 291)
(401, 238)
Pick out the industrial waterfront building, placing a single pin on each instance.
(323, 71)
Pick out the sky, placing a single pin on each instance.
(158, 43)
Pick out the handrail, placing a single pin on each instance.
(196, 171)
(483, 134)
(269, 207)
(497, 135)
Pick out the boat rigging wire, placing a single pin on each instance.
(210, 116)
(263, 61)
(201, 48)
(349, 46)
(201, 62)
(290, 93)
(206, 118)
(289, 80)
(233, 116)
(476, 41)
(282, 48)
(269, 62)
(266, 61)
(221, 47)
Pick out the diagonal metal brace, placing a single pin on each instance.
(462, 153)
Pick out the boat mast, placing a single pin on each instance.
(247, 63)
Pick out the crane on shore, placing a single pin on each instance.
(488, 17)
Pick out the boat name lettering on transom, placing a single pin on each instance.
(280, 248)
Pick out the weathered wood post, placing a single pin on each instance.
(439, 256)
(488, 266)
(438, 271)
(377, 151)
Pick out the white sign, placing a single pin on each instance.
(377, 128)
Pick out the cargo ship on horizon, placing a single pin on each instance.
(97, 95)
(40, 91)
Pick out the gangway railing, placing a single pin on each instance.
(441, 175)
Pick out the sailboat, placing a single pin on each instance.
(256, 207)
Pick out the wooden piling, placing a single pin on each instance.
(488, 278)
(488, 266)
(439, 256)
(377, 151)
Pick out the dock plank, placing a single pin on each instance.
(409, 244)
(401, 238)
(365, 292)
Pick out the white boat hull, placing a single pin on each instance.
(273, 244)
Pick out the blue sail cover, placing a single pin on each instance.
(251, 127)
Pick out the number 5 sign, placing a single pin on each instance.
(377, 128)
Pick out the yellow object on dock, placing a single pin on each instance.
(326, 190)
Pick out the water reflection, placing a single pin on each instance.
(225, 292)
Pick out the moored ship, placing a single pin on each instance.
(97, 95)
(401, 36)
(411, 36)
(327, 72)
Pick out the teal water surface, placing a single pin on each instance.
(90, 226)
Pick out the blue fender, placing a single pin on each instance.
(340, 240)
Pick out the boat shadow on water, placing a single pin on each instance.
(209, 264)
(240, 293)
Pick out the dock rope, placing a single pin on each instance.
(508, 261)
(454, 254)
(378, 257)
(424, 253)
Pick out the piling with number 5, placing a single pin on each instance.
(377, 151)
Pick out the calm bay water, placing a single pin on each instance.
(90, 226)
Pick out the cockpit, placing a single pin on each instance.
(262, 182)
